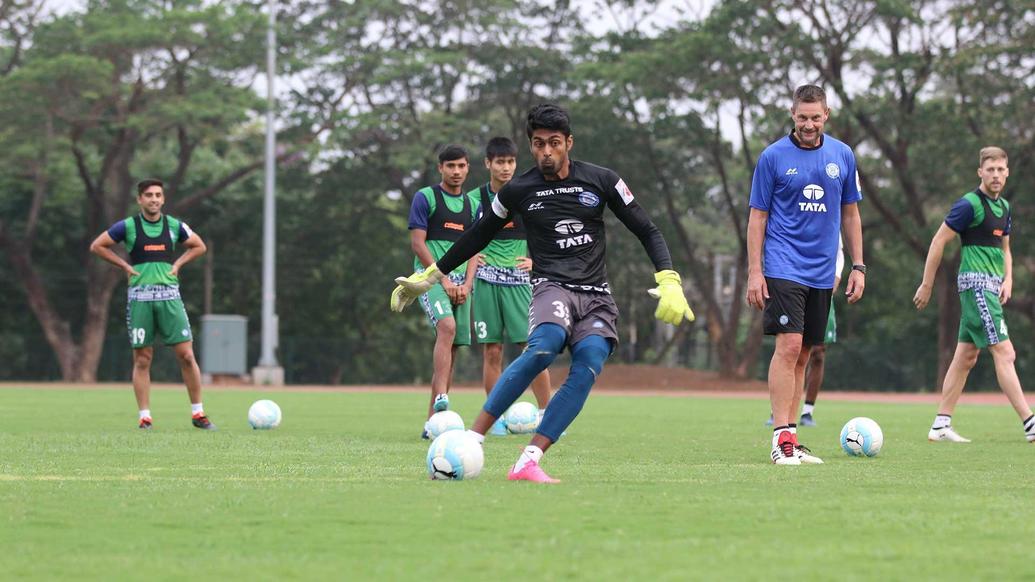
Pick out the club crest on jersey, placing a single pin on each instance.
(571, 227)
(814, 193)
(833, 170)
(589, 199)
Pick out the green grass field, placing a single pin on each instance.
(654, 488)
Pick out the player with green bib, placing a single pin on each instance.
(502, 290)
(154, 309)
(439, 214)
(985, 282)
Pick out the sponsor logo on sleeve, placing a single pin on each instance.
(624, 192)
(498, 208)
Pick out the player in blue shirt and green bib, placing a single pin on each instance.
(803, 193)
(153, 307)
(439, 215)
(985, 282)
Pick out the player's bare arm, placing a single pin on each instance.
(102, 247)
(524, 263)
(851, 226)
(757, 292)
(469, 244)
(465, 289)
(418, 242)
(195, 247)
(1007, 290)
(934, 259)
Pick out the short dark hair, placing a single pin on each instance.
(809, 94)
(452, 152)
(145, 184)
(500, 147)
(548, 116)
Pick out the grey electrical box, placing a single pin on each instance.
(224, 344)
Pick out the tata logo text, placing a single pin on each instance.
(571, 228)
(814, 193)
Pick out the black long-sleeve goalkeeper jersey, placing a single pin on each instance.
(564, 221)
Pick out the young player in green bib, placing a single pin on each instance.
(439, 214)
(154, 308)
(502, 290)
(985, 282)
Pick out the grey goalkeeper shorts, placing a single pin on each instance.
(580, 313)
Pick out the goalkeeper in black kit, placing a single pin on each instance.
(561, 202)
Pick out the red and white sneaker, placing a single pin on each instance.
(145, 424)
(783, 453)
(531, 472)
(805, 456)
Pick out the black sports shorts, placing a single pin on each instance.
(796, 308)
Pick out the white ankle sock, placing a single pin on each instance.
(478, 437)
(942, 421)
(145, 413)
(531, 453)
(808, 408)
(197, 409)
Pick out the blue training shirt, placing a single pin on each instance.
(803, 190)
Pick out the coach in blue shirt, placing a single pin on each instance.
(804, 191)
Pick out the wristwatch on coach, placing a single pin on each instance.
(860, 267)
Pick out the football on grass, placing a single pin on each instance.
(264, 415)
(862, 437)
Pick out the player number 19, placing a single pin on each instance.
(137, 335)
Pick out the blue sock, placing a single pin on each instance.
(545, 342)
(587, 360)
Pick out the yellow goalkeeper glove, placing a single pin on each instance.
(672, 305)
(414, 286)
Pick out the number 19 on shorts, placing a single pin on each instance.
(137, 336)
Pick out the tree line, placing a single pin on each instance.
(98, 97)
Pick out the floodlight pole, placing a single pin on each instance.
(268, 370)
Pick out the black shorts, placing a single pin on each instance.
(580, 313)
(796, 308)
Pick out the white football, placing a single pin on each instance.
(862, 437)
(455, 455)
(444, 421)
(522, 418)
(264, 415)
